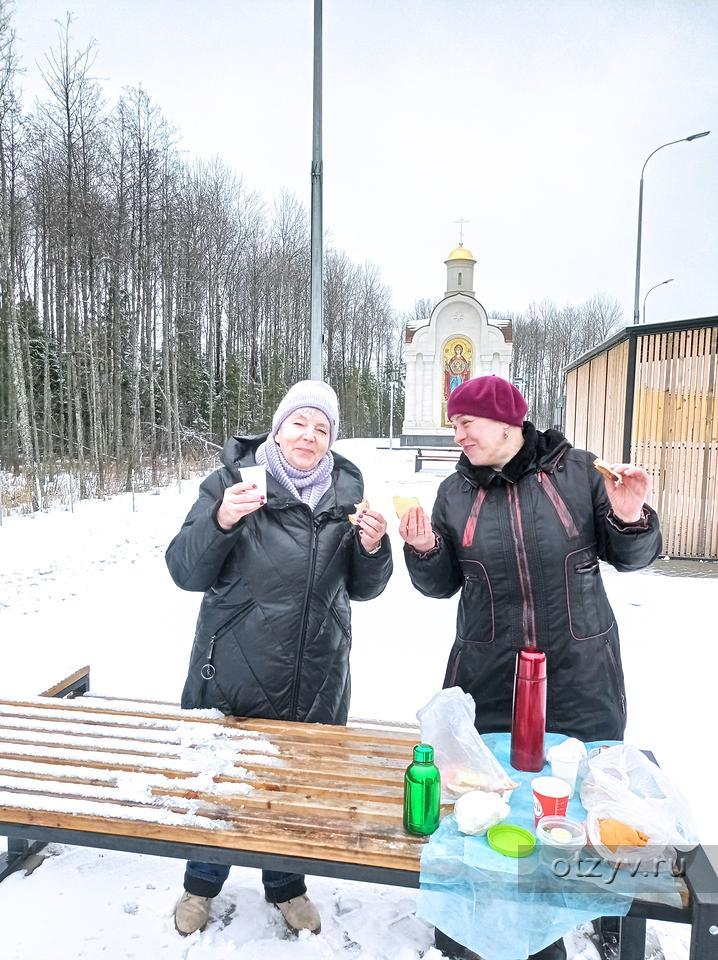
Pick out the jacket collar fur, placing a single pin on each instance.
(540, 449)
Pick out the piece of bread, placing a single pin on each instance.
(606, 470)
(402, 504)
(360, 508)
(615, 834)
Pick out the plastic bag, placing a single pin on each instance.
(463, 759)
(477, 810)
(622, 784)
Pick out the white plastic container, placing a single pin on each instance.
(565, 759)
(561, 841)
(256, 475)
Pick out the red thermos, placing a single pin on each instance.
(528, 724)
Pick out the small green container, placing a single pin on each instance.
(422, 792)
(511, 840)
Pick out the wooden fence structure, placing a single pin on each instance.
(648, 396)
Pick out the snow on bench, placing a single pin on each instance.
(104, 771)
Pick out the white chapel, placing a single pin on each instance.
(455, 343)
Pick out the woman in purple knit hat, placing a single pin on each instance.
(278, 571)
(519, 530)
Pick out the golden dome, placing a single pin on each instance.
(461, 253)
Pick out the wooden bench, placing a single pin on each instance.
(437, 455)
(152, 778)
(307, 798)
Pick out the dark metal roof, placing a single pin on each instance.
(638, 330)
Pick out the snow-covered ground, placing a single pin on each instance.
(92, 587)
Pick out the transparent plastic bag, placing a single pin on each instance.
(622, 784)
(463, 759)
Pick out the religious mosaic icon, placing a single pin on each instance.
(458, 355)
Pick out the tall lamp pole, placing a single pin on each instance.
(653, 288)
(693, 136)
(392, 384)
(317, 291)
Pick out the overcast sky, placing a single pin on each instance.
(531, 120)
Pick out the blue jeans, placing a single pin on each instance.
(206, 880)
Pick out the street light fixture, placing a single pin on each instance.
(392, 385)
(662, 283)
(693, 136)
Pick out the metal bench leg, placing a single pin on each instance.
(18, 851)
(18, 848)
(704, 932)
(632, 939)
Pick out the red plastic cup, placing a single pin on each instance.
(550, 797)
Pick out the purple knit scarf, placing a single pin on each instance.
(306, 485)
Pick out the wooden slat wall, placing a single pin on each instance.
(570, 407)
(674, 433)
(674, 436)
(580, 429)
(615, 403)
(596, 404)
(708, 523)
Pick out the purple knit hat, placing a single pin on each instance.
(491, 397)
(309, 393)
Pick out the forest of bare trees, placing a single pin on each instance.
(151, 306)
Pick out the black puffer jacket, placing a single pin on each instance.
(274, 628)
(523, 546)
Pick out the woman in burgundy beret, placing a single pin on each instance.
(519, 529)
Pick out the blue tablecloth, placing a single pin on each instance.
(508, 909)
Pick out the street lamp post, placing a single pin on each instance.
(316, 302)
(662, 283)
(693, 136)
(392, 384)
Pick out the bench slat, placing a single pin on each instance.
(82, 674)
(310, 759)
(275, 784)
(17, 729)
(254, 834)
(315, 732)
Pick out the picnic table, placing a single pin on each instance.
(151, 778)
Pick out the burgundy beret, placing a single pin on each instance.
(491, 397)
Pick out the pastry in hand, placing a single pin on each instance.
(606, 470)
(360, 508)
(615, 834)
(402, 504)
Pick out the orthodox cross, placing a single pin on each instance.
(461, 223)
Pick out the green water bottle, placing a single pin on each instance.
(422, 792)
